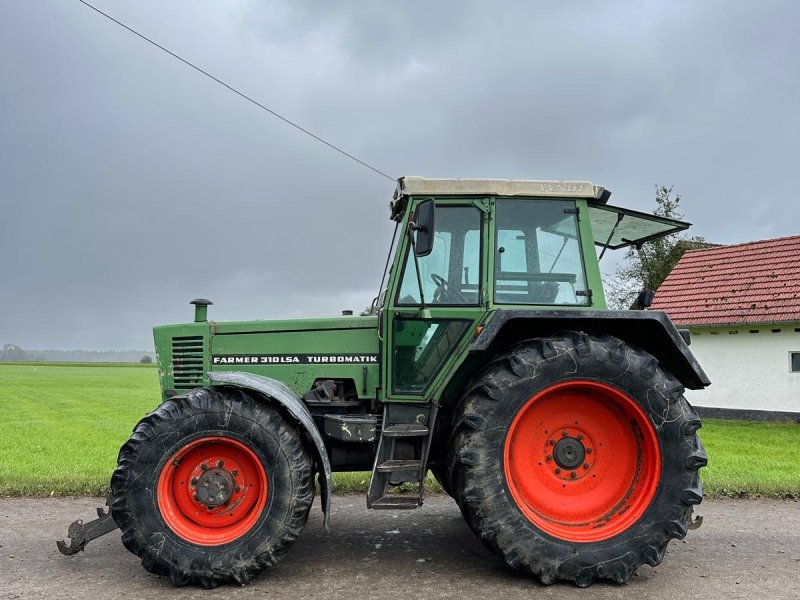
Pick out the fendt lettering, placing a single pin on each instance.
(488, 359)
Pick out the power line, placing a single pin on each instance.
(237, 92)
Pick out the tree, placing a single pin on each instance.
(648, 267)
(13, 353)
(146, 360)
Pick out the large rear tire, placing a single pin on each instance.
(212, 487)
(576, 457)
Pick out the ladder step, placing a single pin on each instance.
(395, 466)
(406, 430)
(396, 502)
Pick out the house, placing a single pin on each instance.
(741, 304)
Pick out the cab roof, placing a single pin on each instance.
(420, 186)
(612, 226)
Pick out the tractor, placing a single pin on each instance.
(488, 358)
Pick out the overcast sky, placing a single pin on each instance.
(130, 184)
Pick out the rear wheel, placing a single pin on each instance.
(212, 487)
(575, 457)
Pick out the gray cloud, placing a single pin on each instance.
(130, 184)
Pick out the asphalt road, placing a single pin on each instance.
(745, 549)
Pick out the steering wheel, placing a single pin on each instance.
(445, 293)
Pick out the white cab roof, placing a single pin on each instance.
(420, 186)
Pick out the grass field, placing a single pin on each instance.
(61, 426)
(747, 458)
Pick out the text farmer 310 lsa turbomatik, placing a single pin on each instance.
(559, 427)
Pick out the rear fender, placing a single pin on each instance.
(651, 331)
(272, 390)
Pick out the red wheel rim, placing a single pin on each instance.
(582, 461)
(212, 491)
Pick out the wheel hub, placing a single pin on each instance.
(214, 487)
(569, 453)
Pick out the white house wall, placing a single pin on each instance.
(748, 370)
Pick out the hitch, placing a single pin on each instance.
(81, 534)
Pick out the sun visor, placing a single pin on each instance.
(615, 227)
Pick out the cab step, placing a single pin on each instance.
(397, 466)
(396, 503)
(406, 430)
(402, 455)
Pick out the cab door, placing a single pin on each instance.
(435, 301)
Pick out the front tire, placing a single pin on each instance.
(576, 457)
(212, 487)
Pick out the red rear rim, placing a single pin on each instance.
(212, 491)
(582, 461)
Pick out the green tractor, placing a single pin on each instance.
(488, 357)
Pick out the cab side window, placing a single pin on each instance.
(538, 254)
(450, 274)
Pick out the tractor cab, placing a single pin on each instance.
(472, 247)
(537, 250)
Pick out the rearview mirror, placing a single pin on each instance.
(423, 227)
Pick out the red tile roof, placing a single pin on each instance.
(757, 282)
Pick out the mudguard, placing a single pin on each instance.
(651, 330)
(278, 392)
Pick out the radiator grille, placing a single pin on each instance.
(187, 362)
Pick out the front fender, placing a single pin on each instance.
(276, 391)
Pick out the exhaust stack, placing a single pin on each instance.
(200, 309)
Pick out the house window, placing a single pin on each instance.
(795, 360)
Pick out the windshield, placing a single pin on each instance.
(538, 253)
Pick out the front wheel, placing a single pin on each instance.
(212, 487)
(576, 457)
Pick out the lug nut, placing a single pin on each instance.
(237, 489)
(572, 474)
(551, 442)
(588, 451)
(580, 437)
(234, 472)
(565, 433)
(558, 471)
(549, 457)
(221, 464)
(585, 465)
(197, 497)
(204, 467)
(194, 481)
